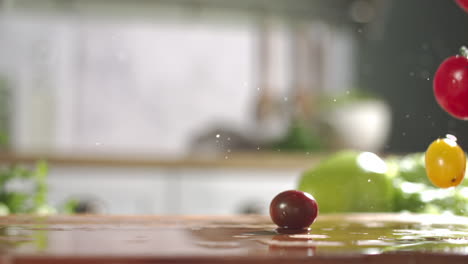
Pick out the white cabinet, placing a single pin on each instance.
(111, 190)
(130, 190)
(223, 191)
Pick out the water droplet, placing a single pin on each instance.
(307, 153)
(278, 150)
(428, 116)
(228, 151)
(97, 143)
(425, 46)
(428, 78)
(217, 135)
(285, 98)
(403, 134)
(411, 74)
(334, 100)
(347, 92)
(225, 157)
(258, 88)
(407, 115)
(228, 139)
(258, 148)
(451, 137)
(369, 180)
(425, 74)
(359, 30)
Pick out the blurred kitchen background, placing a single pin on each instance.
(214, 106)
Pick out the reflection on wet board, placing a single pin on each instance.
(203, 236)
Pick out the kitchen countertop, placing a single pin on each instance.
(256, 160)
(340, 238)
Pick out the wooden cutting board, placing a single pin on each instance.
(341, 238)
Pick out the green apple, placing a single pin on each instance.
(4, 209)
(350, 181)
(44, 209)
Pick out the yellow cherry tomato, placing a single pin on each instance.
(445, 162)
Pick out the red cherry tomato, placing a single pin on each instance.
(293, 209)
(463, 4)
(451, 85)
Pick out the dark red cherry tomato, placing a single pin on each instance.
(463, 4)
(451, 85)
(293, 210)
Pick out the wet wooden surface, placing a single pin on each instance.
(351, 238)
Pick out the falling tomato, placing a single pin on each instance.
(451, 85)
(463, 4)
(445, 162)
